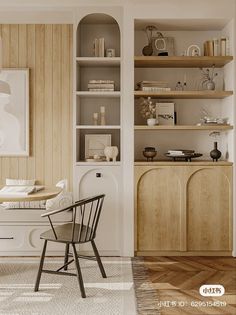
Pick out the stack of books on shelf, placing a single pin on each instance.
(180, 152)
(99, 47)
(153, 86)
(101, 85)
(217, 47)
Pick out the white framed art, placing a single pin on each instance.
(14, 113)
(95, 144)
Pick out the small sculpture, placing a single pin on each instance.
(111, 152)
(193, 50)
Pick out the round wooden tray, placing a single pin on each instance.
(186, 157)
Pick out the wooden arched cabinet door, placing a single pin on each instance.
(158, 210)
(209, 208)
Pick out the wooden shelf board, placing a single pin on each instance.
(97, 127)
(180, 163)
(183, 127)
(84, 163)
(98, 61)
(98, 94)
(181, 61)
(185, 94)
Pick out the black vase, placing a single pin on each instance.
(215, 153)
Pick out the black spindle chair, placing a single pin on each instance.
(82, 229)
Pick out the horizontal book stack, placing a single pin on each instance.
(153, 86)
(99, 47)
(101, 85)
(180, 152)
(217, 47)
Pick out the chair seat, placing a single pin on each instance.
(64, 234)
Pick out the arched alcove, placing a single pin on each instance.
(94, 26)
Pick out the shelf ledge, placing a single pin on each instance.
(181, 61)
(185, 94)
(98, 61)
(84, 163)
(180, 163)
(98, 94)
(97, 127)
(183, 127)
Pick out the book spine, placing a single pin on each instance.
(227, 48)
(223, 46)
(96, 44)
(210, 48)
(100, 90)
(215, 47)
(101, 81)
(100, 85)
(101, 47)
(155, 89)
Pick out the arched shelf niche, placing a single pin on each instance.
(97, 25)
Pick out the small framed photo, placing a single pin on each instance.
(165, 113)
(95, 144)
(14, 113)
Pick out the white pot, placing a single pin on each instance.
(151, 121)
(111, 152)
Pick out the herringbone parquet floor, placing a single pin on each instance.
(174, 282)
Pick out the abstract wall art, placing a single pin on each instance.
(14, 113)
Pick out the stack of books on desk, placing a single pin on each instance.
(153, 86)
(101, 85)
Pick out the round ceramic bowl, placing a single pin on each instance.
(149, 155)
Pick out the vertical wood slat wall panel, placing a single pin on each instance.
(13, 63)
(6, 62)
(57, 75)
(23, 56)
(47, 51)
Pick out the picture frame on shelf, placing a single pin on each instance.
(95, 144)
(165, 113)
(14, 113)
(161, 45)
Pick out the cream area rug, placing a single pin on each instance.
(60, 294)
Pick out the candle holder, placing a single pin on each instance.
(95, 118)
(103, 116)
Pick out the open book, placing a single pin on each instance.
(19, 190)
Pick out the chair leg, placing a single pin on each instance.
(78, 271)
(36, 287)
(98, 259)
(66, 256)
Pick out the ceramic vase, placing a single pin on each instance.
(111, 153)
(151, 121)
(210, 85)
(215, 153)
